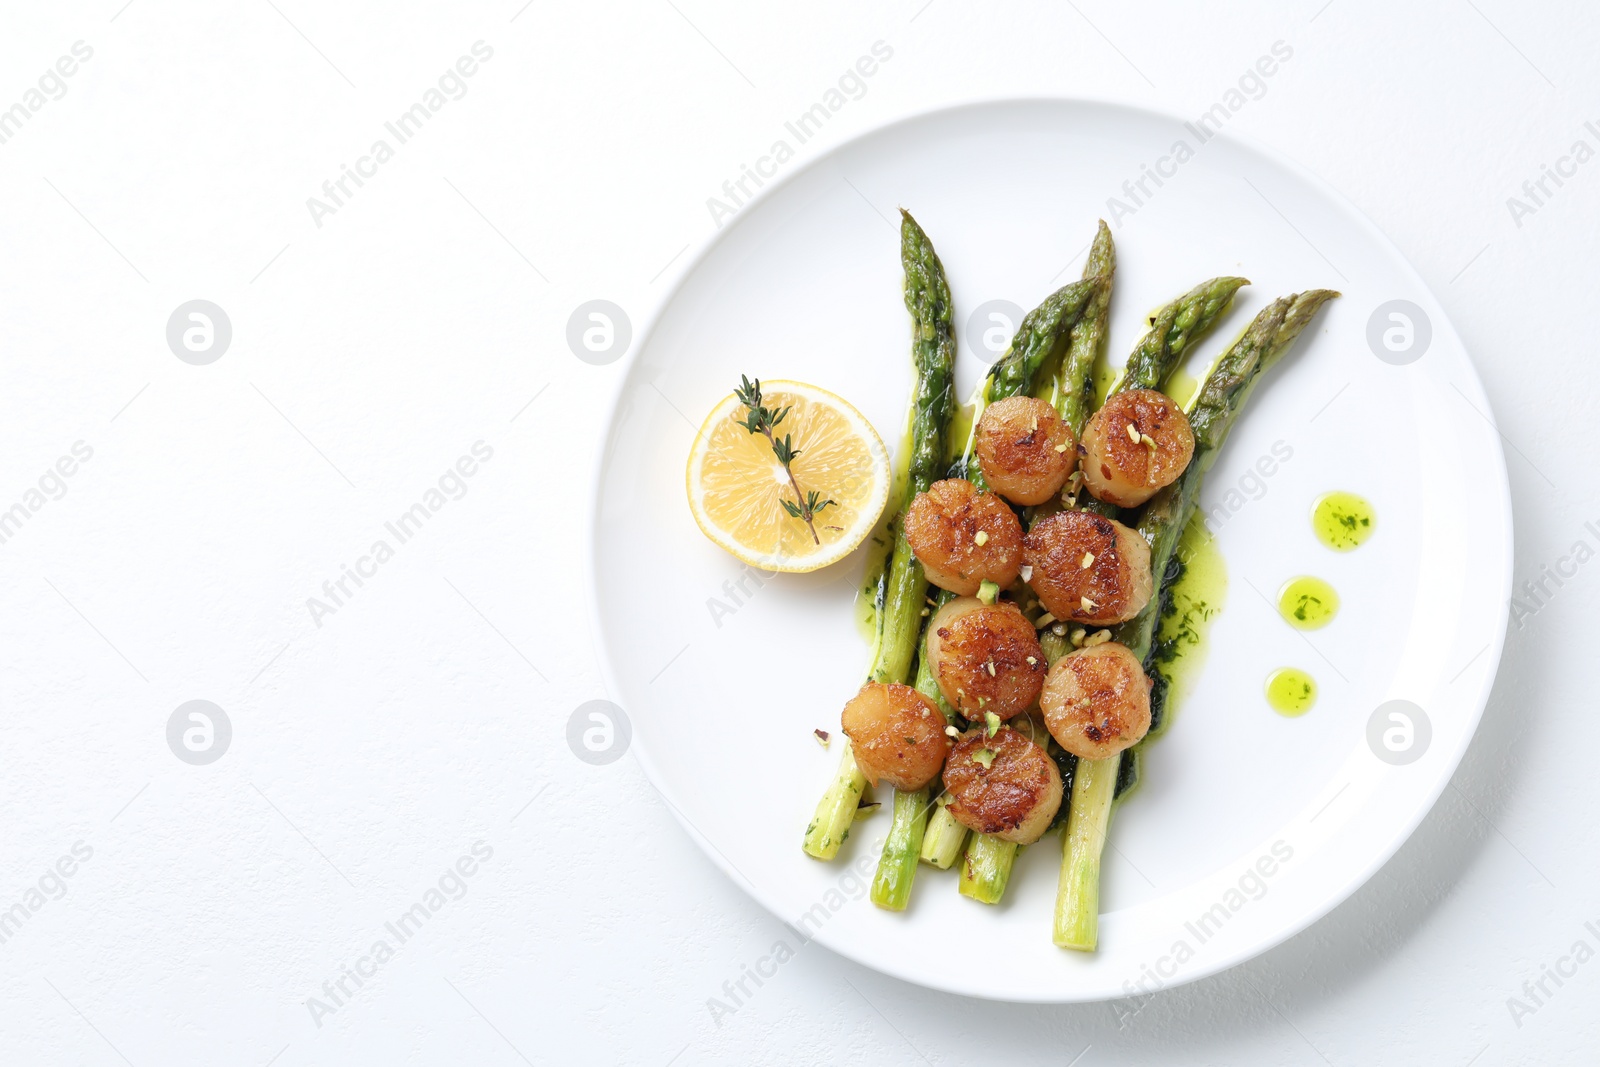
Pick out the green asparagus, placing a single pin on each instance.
(1045, 332)
(942, 841)
(1173, 330)
(1073, 388)
(1042, 336)
(986, 870)
(897, 868)
(1212, 414)
(933, 352)
(986, 867)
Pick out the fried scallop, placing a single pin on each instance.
(897, 735)
(1004, 785)
(1025, 449)
(1137, 443)
(1088, 568)
(963, 537)
(985, 657)
(1096, 701)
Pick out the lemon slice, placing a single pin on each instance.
(737, 486)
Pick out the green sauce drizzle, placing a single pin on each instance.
(1291, 691)
(1342, 521)
(1189, 607)
(1307, 603)
(1195, 590)
(1181, 386)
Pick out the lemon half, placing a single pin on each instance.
(737, 486)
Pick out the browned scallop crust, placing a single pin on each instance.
(942, 527)
(985, 657)
(897, 735)
(1122, 469)
(1115, 586)
(1015, 797)
(1097, 701)
(1025, 449)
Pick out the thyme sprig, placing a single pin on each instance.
(763, 420)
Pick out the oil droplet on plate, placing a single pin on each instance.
(1307, 603)
(1342, 521)
(1291, 691)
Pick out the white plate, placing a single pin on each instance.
(805, 283)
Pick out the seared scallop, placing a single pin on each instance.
(1138, 442)
(985, 657)
(963, 537)
(1096, 701)
(1004, 785)
(1025, 449)
(1088, 568)
(897, 735)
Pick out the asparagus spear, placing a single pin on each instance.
(1045, 331)
(933, 356)
(1042, 335)
(1173, 330)
(1212, 414)
(986, 868)
(897, 867)
(942, 841)
(1073, 392)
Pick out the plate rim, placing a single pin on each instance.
(1478, 700)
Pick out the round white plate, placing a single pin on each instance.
(1248, 826)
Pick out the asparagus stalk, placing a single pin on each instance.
(1041, 336)
(1044, 334)
(1093, 786)
(897, 869)
(933, 356)
(928, 300)
(837, 809)
(1073, 391)
(1212, 415)
(941, 845)
(1174, 330)
(986, 870)
(942, 842)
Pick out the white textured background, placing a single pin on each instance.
(429, 313)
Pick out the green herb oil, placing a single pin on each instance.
(1291, 691)
(1192, 605)
(1307, 603)
(1342, 521)
(1181, 387)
